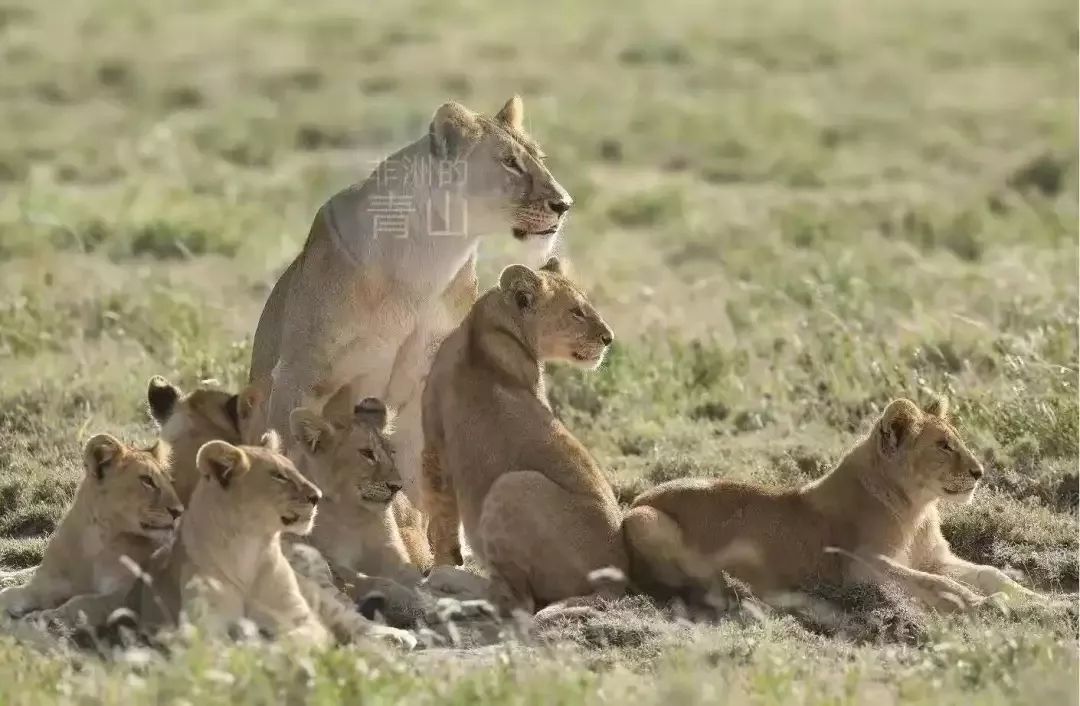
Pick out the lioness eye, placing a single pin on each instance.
(944, 445)
(148, 482)
(368, 454)
(513, 164)
(279, 477)
(577, 312)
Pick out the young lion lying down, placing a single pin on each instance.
(125, 506)
(873, 517)
(227, 564)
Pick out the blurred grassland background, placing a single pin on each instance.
(790, 211)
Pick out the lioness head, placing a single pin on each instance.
(350, 458)
(187, 421)
(556, 319)
(262, 487)
(925, 450)
(131, 488)
(501, 171)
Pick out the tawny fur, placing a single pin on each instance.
(878, 508)
(125, 506)
(536, 508)
(364, 307)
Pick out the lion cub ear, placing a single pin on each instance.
(310, 430)
(161, 395)
(249, 405)
(372, 411)
(100, 453)
(555, 266)
(898, 423)
(453, 128)
(512, 114)
(938, 407)
(222, 462)
(521, 284)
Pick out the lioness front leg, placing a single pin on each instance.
(939, 592)
(986, 579)
(440, 504)
(17, 601)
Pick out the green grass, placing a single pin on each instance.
(790, 212)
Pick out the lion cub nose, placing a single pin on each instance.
(976, 472)
(561, 206)
(314, 498)
(175, 512)
(393, 487)
(606, 337)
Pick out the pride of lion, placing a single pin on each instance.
(298, 503)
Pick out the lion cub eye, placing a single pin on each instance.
(513, 164)
(148, 482)
(368, 454)
(279, 477)
(945, 446)
(578, 313)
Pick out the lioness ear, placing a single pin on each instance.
(222, 462)
(512, 114)
(100, 453)
(453, 128)
(898, 423)
(553, 265)
(938, 407)
(371, 410)
(310, 430)
(521, 283)
(161, 395)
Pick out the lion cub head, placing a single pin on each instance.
(349, 458)
(924, 450)
(262, 488)
(130, 488)
(187, 421)
(501, 171)
(555, 318)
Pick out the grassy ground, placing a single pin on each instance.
(790, 212)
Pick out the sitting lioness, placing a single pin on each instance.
(388, 269)
(873, 517)
(227, 564)
(535, 507)
(352, 462)
(125, 507)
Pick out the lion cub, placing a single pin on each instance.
(873, 517)
(535, 507)
(351, 460)
(189, 420)
(125, 506)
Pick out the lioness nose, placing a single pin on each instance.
(394, 487)
(607, 338)
(561, 206)
(314, 498)
(976, 472)
(175, 512)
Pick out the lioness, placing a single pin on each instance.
(352, 463)
(388, 268)
(535, 507)
(227, 564)
(874, 516)
(125, 506)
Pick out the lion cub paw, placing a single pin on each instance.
(402, 639)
